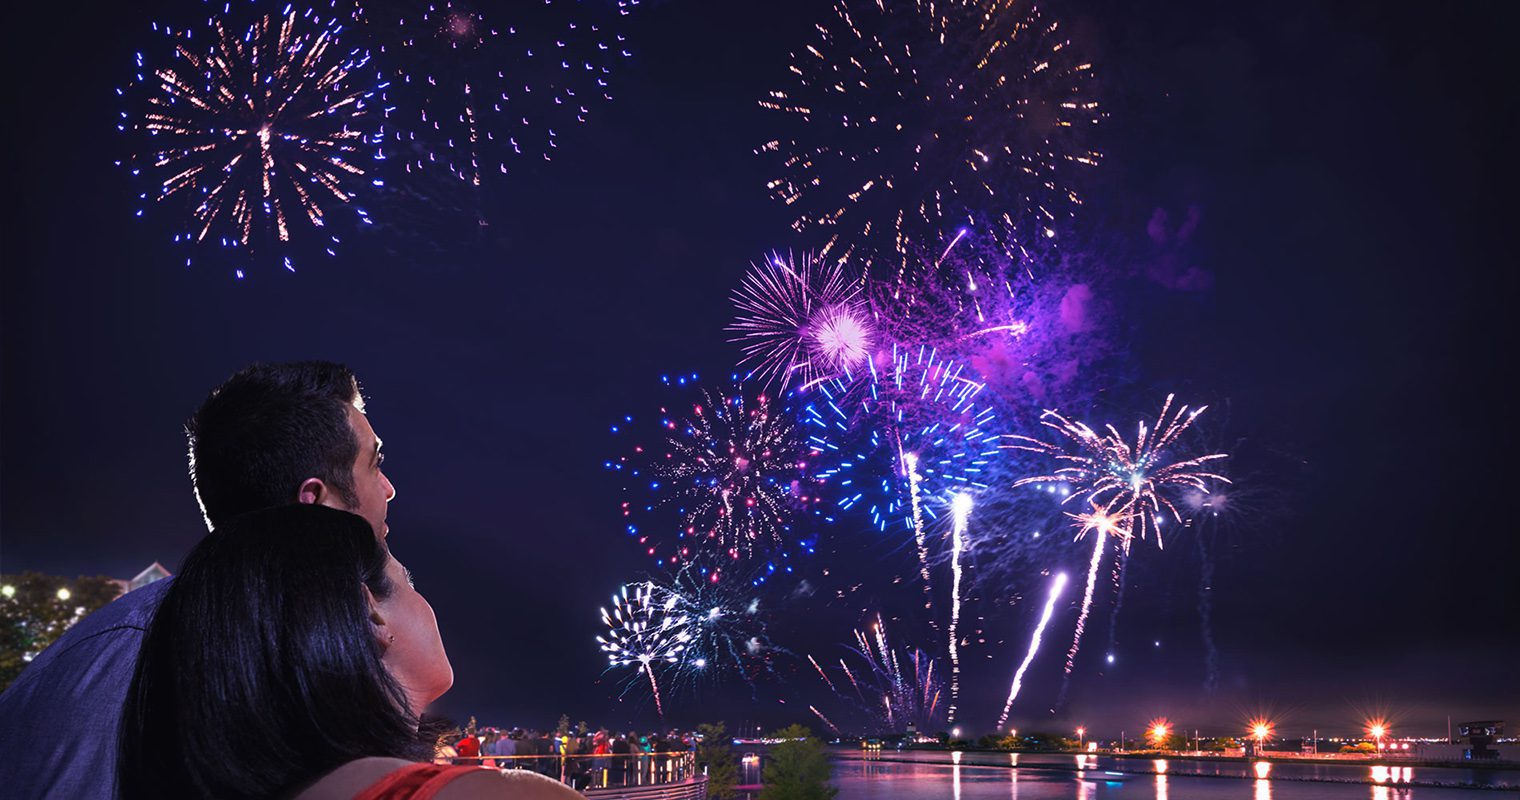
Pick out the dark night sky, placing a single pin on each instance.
(1345, 163)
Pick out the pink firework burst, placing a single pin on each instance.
(801, 319)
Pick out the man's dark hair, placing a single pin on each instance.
(269, 427)
(261, 670)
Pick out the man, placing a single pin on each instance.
(272, 434)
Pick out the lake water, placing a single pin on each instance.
(984, 776)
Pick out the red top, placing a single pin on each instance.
(468, 746)
(414, 782)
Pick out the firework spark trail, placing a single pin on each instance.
(1126, 480)
(1100, 521)
(654, 689)
(853, 682)
(962, 513)
(1087, 596)
(1056, 587)
(910, 464)
(881, 642)
(801, 318)
(826, 720)
(1121, 573)
(821, 674)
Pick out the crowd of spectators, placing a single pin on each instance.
(583, 758)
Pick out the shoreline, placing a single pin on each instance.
(1502, 787)
(1275, 757)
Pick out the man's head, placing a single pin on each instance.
(280, 433)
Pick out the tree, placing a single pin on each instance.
(716, 756)
(563, 728)
(798, 768)
(36, 609)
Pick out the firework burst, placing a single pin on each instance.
(1030, 328)
(731, 468)
(727, 628)
(893, 686)
(645, 628)
(474, 85)
(1126, 485)
(1130, 481)
(916, 430)
(261, 132)
(920, 116)
(801, 319)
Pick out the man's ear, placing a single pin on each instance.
(377, 624)
(312, 492)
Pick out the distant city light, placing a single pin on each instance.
(64, 594)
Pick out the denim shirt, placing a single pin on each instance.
(59, 719)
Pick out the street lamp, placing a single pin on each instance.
(8, 590)
(1081, 733)
(64, 594)
(1158, 731)
(1261, 730)
(1377, 729)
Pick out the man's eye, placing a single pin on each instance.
(379, 459)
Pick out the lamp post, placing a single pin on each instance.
(1081, 734)
(1158, 731)
(1377, 730)
(1260, 730)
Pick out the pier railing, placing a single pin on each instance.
(614, 776)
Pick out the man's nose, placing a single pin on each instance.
(390, 488)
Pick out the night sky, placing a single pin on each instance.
(1353, 349)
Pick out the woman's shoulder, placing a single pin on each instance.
(352, 778)
(392, 777)
(512, 784)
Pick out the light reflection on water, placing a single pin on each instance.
(996, 779)
(1382, 774)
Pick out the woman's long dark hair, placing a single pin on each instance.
(261, 670)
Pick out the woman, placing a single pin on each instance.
(292, 658)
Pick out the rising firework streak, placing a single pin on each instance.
(1056, 586)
